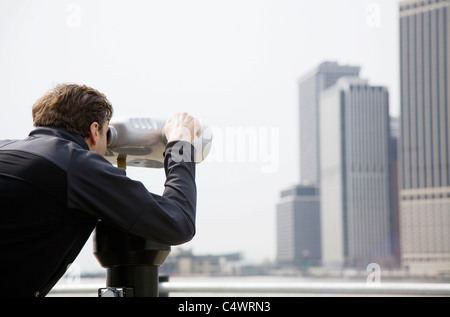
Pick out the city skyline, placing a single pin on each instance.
(346, 217)
(362, 163)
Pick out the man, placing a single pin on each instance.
(55, 185)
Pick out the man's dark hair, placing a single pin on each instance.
(74, 107)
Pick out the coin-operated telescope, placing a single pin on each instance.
(132, 262)
(142, 141)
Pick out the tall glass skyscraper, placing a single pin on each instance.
(355, 194)
(424, 138)
(311, 85)
(298, 211)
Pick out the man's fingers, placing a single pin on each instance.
(182, 126)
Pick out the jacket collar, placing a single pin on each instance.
(60, 132)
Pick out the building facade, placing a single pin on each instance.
(424, 142)
(310, 86)
(298, 227)
(355, 175)
(394, 191)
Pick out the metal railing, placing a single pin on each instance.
(278, 289)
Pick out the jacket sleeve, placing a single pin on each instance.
(104, 191)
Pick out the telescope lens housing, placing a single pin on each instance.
(143, 142)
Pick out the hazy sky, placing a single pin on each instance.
(232, 63)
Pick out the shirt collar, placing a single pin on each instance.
(60, 132)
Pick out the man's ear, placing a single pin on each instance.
(93, 134)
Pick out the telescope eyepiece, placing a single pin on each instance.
(111, 136)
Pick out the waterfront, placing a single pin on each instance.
(262, 286)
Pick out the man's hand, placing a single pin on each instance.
(182, 127)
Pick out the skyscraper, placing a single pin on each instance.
(310, 86)
(298, 242)
(298, 227)
(424, 142)
(355, 175)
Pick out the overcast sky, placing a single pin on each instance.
(234, 64)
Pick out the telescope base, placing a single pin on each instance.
(143, 279)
